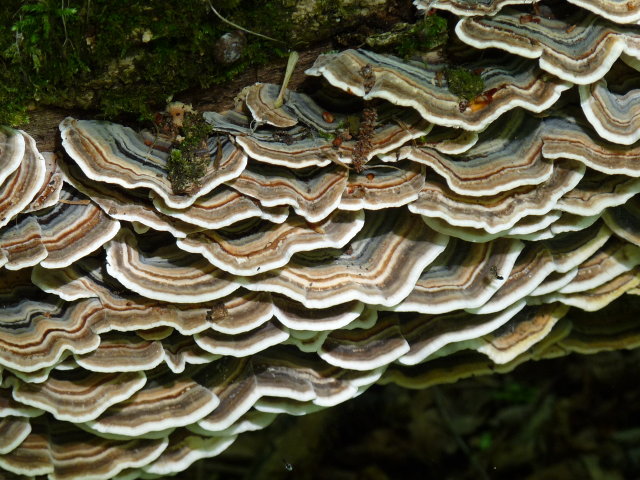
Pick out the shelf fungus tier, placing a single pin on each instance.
(512, 83)
(615, 116)
(111, 153)
(379, 227)
(579, 49)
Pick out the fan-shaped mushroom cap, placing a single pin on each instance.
(13, 431)
(20, 187)
(598, 191)
(613, 327)
(80, 398)
(552, 283)
(580, 49)
(538, 260)
(12, 148)
(296, 316)
(51, 186)
(240, 313)
(619, 11)
(448, 141)
(253, 247)
(599, 297)
(167, 273)
(278, 372)
(107, 152)
(160, 405)
(119, 353)
(260, 99)
(466, 7)
(313, 193)
(297, 108)
(185, 448)
(515, 83)
(221, 208)
(614, 258)
(242, 344)
(65, 453)
(465, 363)
(533, 228)
(36, 329)
(302, 147)
(49, 335)
(289, 149)
(616, 117)
(567, 222)
(519, 334)
(373, 268)
(463, 276)
(625, 220)
(57, 237)
(124, 311)
(507, 156)
(126, 205)
(428, 334)
(499, 212)
(536, 227)
(383, 186)
(365, 349)
(565, 137)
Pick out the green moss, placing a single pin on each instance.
(429, 33)
(184, 173)
(464, 83)
(326, 135)
(189, 160)
(122, 56)
(195, 131)
(129, 56)
(13, 106)
(432, 32)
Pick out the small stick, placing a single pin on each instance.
(242, 28)
(291, 64)
(74, 202)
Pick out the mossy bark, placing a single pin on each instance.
(117, 57)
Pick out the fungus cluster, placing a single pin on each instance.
(381, 229)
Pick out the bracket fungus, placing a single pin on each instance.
(408, 236)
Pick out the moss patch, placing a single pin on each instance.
(429, 33)
(125, 58)
(189, 159)
(464, 83)
(406, 40)
(122, 56)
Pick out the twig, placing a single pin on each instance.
(291, 64)
(74, 202)
(242, 28)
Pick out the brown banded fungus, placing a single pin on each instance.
(377, 228)
(514, 83)
(615, 116)
(578, 49)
